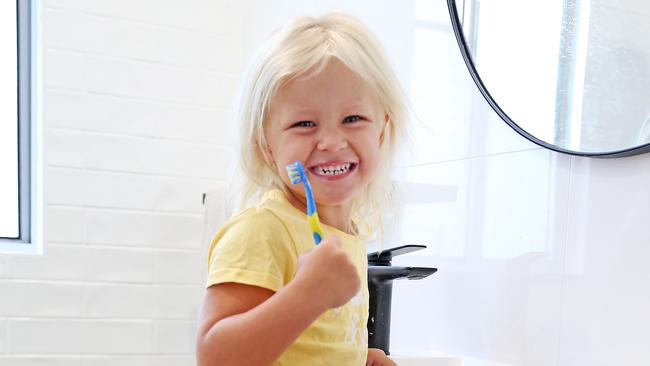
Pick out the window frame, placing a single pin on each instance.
(30, 188)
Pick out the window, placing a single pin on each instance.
(17, 187)
(9, 222)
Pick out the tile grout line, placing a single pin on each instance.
(136, 60)
(130, 98)
(138, 137)
(138, 22)
(138, 173)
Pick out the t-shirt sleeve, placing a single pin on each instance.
(255, 249)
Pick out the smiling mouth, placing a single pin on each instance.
(333, 170)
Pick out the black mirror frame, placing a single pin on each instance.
(464, 49)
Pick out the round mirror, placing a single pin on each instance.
(572, 76)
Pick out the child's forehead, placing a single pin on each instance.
(307, 97)
(333, 86)
(334, 81)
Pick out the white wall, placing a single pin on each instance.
(137, 116)
(137, 97)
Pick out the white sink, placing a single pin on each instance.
(423, 360)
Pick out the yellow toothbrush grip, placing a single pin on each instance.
(314, 224)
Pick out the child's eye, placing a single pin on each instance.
(350, 119)
(304, 124)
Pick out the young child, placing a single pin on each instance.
(324, 94)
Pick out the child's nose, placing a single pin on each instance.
(331, 140)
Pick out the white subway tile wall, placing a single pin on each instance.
(138, 107)
(3, 335)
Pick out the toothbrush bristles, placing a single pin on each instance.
(295, 172)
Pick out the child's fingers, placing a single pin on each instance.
(332, 240)
(329, 268)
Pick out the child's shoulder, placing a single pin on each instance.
(270, 216)
(256, 224)
(273, 206)
(256, 216)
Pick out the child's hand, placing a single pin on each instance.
(377, 357)
(328, 273)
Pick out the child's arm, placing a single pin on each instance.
(249, 325)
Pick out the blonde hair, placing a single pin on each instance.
(306, 46)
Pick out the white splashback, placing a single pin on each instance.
(541, 262)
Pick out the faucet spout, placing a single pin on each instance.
(384, 274)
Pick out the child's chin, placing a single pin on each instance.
(334, 199)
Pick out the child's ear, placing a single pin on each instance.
(383, 130)
(266, 154)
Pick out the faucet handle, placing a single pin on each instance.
(384, 257)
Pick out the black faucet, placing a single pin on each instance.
(380, 285)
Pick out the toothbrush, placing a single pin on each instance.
(297, 175)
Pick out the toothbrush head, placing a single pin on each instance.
(296, 173)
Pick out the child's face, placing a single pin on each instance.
(333, 122)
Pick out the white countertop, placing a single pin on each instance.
(425, 359)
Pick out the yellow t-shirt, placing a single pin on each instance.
(260, 247)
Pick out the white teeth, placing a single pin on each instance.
(333, 169)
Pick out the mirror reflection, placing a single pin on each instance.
(574, 74)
